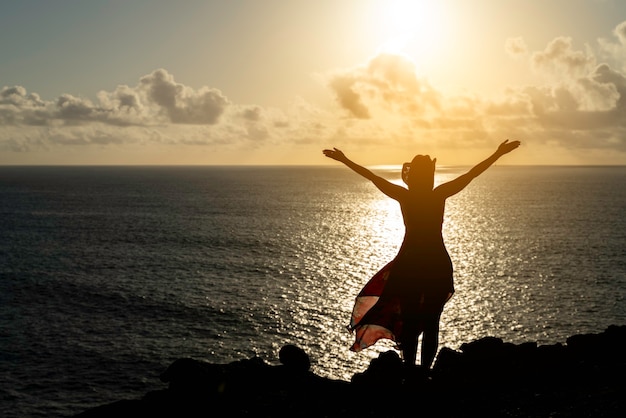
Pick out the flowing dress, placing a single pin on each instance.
(419, 280)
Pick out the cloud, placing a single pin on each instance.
(582, 104)
(17, 96)
(613, 50)
(581, 86)
(515, 47)
(157, 99)
(620, 32)
(388, 82)
(345, 86)
(578, 105)
(180, 103)
(559, 56)
(18, 107)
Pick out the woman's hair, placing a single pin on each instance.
(421, 166)
(406, 167)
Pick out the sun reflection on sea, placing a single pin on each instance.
(368, 240)
(367, 235)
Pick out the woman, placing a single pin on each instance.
(406, 297)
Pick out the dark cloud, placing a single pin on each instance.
(19, 97)
(252, 113)
(18, 107)
(606, 75)
(71, 108)
(157, 99)
(345, 86)
(180, 103)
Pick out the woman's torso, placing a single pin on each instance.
(422, 261)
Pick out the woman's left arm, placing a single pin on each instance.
(454, 186)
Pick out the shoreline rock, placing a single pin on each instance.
(488, 377)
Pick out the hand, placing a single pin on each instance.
(335, 154)
(507, 147)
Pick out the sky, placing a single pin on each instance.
(274, 82)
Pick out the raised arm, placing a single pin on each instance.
(454, 186)
(385, 186)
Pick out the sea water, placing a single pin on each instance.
(109, 274)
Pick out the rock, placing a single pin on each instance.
(383, 376)
(194, 377)
(294, 358)
(487, 377)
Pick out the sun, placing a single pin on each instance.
(411, 25)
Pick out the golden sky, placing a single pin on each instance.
(276, 81)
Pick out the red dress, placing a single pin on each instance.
(417, 281)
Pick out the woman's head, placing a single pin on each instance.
(420, 172)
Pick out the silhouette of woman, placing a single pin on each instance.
(407, 296)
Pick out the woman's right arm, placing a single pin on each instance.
(385, 186)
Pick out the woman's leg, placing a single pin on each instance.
(430, 339)
(408, 345)
(411, 329)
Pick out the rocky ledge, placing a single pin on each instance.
(585, 377)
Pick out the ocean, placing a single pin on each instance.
(109, 274)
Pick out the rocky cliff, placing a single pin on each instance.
(585, 377)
